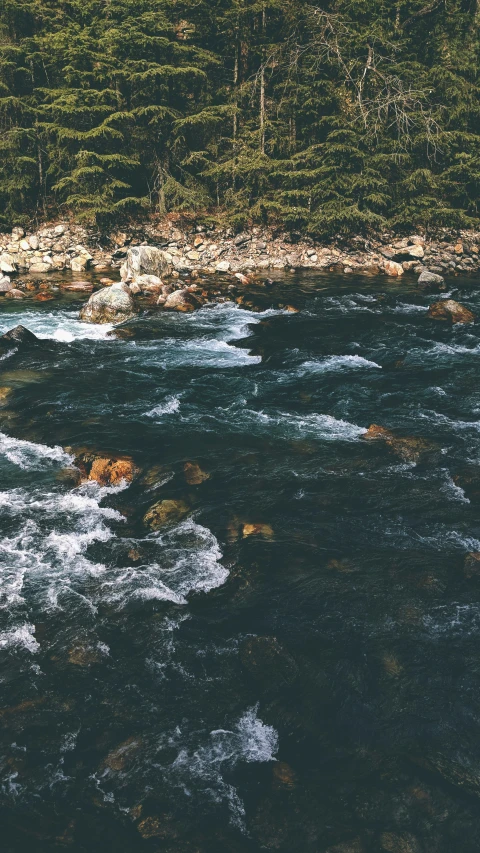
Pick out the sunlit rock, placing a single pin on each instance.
(409, 449)
(166, 512)
(451, 311)
(110, 305)
(106, 469)
(194, 474)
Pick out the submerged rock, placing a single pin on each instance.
(257, 530)
(267, 660)
(166, 512)
(448, 309)
(106, 469)
(471, 566)
(194, 474)
(409, 449)
(112, 304)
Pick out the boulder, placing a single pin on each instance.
(178, 301)
(145, 260)
(7, 263)
(165, 513)
(13, 293)
(149, 283)
(392, 268)
(5, 284)
(223, 266)
(78, 286)
(267, 661)
(39, 267)
(409, 449)
(430, 280)
(110, 305)
(194, 474)
(79, 263)
(106, 469)
(471, 566)
(451, 311)
(18, 335)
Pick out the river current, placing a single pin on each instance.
(294, 665)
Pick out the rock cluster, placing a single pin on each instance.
(186, 246)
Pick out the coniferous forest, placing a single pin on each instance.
(341, 118)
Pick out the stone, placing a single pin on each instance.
(410, 449)
(178, 301)
(146, 260)
(14, 293)
(105, 469)
(392, 268)
(149, 283)
(222, 266)
(393, 843)
(78, 286)
(257, 530)
(416, 251)
(123, 755)
(7, 263)
(194, 474)
(430, 280)
(34, 242)
(471, 566)
(110, 305)
(19, 335)
(79, 263)
(38, 267)
(165, 513)
(59, 230)
(242, 278)
(5, 284)
(106, 282)
(267, 661)
(450, 310)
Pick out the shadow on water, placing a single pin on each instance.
(293, 663)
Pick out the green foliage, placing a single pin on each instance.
(346, 118)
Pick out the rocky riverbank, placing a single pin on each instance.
(65, 246)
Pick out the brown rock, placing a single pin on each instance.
(14, 294)
(284, 776)
(165, 513)
(106, 469)
(448, 309)
(392, 268)
(43, 297)
(78, 286)
(194, 474)
(257, 530)
(83, 656)
(122, 755)
(471, 567)
(394, 843)
(409, 449)
(267, 660)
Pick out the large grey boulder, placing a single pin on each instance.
(110, 305)
(145, 260)
(429, 279)
(5, 284)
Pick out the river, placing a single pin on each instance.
(294, 665)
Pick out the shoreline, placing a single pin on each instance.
(62, 245)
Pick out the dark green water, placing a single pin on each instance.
(198, 689)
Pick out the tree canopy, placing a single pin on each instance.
(333, 119)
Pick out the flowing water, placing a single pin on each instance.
(295, 664)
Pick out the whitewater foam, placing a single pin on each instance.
(338, 363)
(29, 455)
(57, 325)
